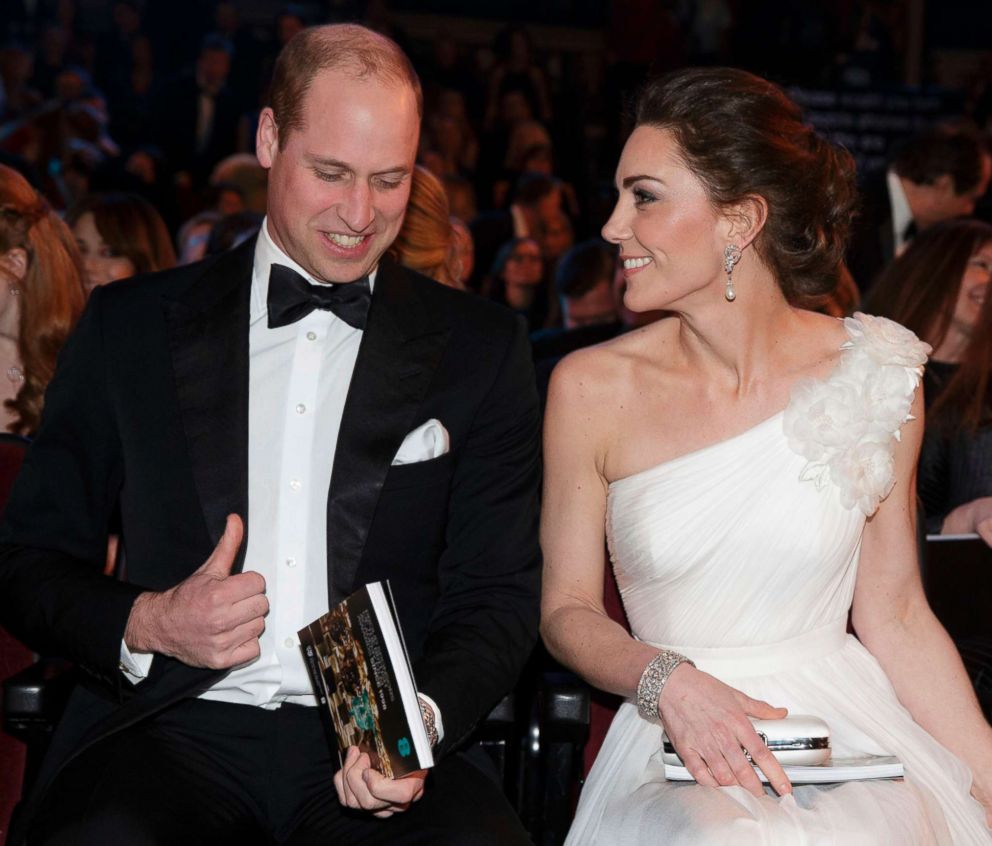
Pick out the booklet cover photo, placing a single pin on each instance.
(362, 677)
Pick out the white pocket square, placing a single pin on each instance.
(425, 442)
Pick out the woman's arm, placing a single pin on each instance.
(574, 622)
(893, 620)
(705, 719)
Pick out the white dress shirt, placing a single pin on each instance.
(902, 214)
(298, 379)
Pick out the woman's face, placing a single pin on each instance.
(524, 265)
(101, 264)
(670, 236)
(974, 288)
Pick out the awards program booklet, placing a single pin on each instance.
(362, 677)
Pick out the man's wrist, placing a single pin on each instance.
(137, 633)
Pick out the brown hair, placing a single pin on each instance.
(50, 294)
(130, 226)
(424, 242)
(742, 136)
(920, 290)
(363, 52)
(954, 150)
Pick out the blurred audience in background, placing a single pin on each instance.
(521, 127)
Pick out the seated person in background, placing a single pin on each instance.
(939, 288)
(119, 235)
(41, 296)
(425, 240)
(194, 235)
(536, 201)
(936, 176)
(584, 285)
(516, 279)
(233, 230)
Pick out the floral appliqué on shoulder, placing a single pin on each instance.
(846, 426)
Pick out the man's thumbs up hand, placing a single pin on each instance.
(211, 619)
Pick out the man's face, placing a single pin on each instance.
(948, 204)
(339, 187)
(213, 67)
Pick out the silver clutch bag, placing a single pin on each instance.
(798, 740)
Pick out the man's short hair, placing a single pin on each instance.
(351, 47)
(953, 150)
(583, 267)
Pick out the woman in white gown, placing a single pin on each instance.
(753, 465)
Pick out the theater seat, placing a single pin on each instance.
(14, 656)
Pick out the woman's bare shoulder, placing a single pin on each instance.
(610, 368)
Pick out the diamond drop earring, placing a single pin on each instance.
(731, 255)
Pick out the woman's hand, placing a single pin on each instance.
(972, 517)
(707, 722)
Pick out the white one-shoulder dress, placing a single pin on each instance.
(743, 556)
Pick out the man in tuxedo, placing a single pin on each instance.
(277, 427)
(199, 119)
(936, 176)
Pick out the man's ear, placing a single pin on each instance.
(266, 138)
(15, 262)
(746, 219)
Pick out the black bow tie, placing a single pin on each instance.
(292, 298)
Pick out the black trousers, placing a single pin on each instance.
(213, 773)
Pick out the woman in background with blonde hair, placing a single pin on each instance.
(426, 241)
(41, 296)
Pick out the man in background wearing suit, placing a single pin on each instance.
(938, 175)
(279, 426)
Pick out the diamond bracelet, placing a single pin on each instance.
(653, 679)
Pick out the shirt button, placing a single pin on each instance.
(300, 408)
(290, 562)
(311, 336)
(295, 484)
(289, 643)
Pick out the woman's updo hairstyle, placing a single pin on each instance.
(741, 135)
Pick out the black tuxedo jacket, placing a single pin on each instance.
(177, 126)
(148, 410)
(872, 243)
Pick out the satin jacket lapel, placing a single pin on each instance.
(208, 337)
(400, 350)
